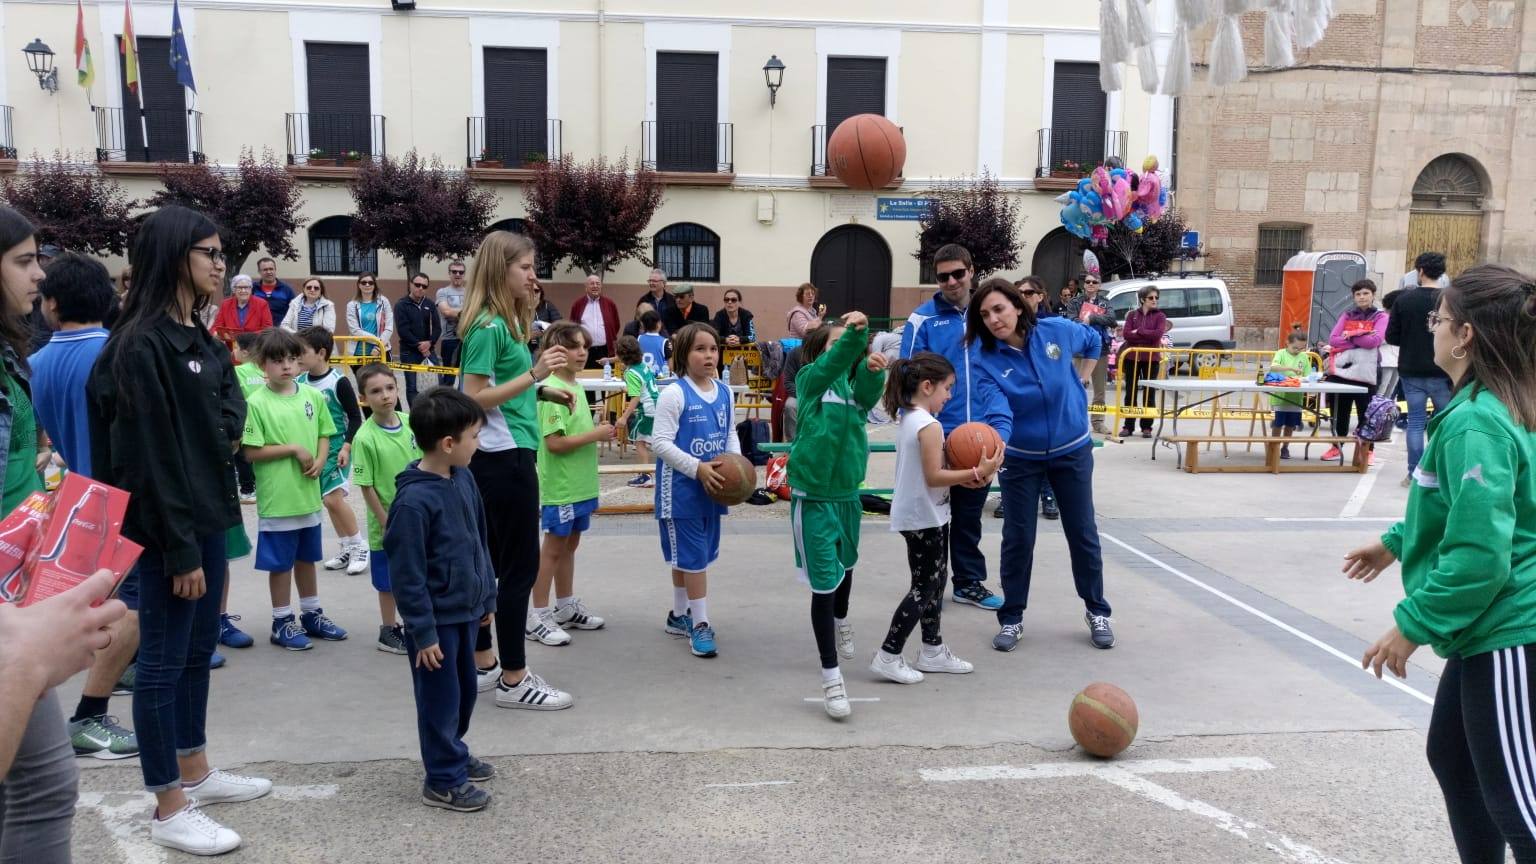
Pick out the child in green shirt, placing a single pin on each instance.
(383, 448)
(1290, 360)
(640, 413)
(341, 401)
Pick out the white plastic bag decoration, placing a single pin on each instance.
(1311, 21)
(1194, 14)
(1139, 20)
(1110, 78)
(1146, 64)
(1113, 47)
(1228, 65)
(1176, 81)
(1277, 39)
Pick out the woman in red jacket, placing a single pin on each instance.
(241, 313)
(1143, 328)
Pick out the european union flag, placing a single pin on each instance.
(179, 59)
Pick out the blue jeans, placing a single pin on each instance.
(37, 797)
(1415, 391)
(445, 699)
(176, 638)
(966, 563)
(409, 354)
(1071, 477)
(449, 348)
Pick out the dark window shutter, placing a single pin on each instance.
(687, 113)
(165, 105)
(855, 85)
(1077, 115)
(516, 103)
(340, 115)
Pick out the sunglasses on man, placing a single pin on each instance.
(951, 275)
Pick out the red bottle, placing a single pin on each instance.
(85, 536)
(14, 546)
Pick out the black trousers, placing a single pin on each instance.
(928, 559)
(245, 474)
(1341, 404)
(509, 487)
(1142, 369)
(1482, 751)
(825, 609)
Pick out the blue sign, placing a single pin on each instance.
(901, 209)
(1191, 240)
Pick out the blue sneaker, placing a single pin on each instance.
(231, 636)
(286, 633)
(317, 625)
(679, 625)
(701, 641)
(976, 594)
(216, 661)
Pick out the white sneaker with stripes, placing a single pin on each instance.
(533, 693)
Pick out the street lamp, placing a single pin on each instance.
(773, 73)
(40, 61)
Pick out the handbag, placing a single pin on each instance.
(1355, 364)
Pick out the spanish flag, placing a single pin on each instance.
(84, 70)
(130, 49)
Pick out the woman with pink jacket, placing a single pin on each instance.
(1355, 357)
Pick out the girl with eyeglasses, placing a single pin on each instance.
(805, 315)
(369, 313)
(311, 309)
(733, 323)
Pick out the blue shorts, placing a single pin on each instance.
(562, 520)
(378, 570)
(690, 545)
(1286, 420)
(277, 550)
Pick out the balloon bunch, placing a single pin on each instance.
(1112, 195)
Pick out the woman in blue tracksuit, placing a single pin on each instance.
(1028, 368)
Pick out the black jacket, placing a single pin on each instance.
(165, 413)
(416, 321)
(1407, 328)
(672, 319)
(439, 567)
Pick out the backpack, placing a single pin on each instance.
(751, 433)
(776, 478)
(1380, 420)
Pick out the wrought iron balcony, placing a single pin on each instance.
(500, 142)
(335, 139)
(819, 150)
(1071, 153)
(154, 135)
(7, 134)
(679, 145)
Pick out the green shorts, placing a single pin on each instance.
(826, 540)
(237, 544)
(331, 476)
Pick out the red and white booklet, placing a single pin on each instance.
(1088, 310)
(50, 544)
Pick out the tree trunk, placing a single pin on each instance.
(412, 266)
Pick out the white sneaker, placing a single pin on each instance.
(191, 830)
(543, 629)
(845, 641)
(359, 561)
(485, 681)
(575, 614)
(938, 658)
(895, 668)
(222, 787)
(532, 692)
(341, 561)
(835, 698)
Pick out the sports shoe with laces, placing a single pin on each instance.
(639, 481)
(102, 738)
(231, 636)
(976, 594)
(216, 660)
(1099, 631)
(1007, 638)
(485, 679)
(317, 625)
(223, 787)
(679, 625)
(480, 770)
(938, 658)
(340, 561)
(1332, 453)
(467, 798)
(286, 633)
(834, 698)
(359, 562)
(894, 667)
(701, 640)
(1048, 507)
(391, 639)
(845, 641)
(543, 629)
(574, 614)
(125, 682)
(191, 830)
(532, 692)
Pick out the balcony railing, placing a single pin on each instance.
(819, 149)
(158, 135)
(1074, 152)
(678, 145)
(7, 134)
(335, 139)
(502, 142)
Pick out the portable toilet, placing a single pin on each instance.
(1315, 291)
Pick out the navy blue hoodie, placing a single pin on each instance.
(439, 567)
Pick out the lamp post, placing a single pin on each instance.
(773, 74)
(40, 61)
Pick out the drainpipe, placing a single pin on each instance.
(602, 65)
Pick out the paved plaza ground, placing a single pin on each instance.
(1261, 740)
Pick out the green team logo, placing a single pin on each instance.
(309, 410)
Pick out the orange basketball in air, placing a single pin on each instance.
(866, 151)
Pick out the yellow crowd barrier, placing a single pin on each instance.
(1199, 363)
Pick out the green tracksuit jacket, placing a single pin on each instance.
(836, 394)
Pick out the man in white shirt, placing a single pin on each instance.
(600, 318)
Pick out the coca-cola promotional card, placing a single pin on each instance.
(20, 531)
(79, 537)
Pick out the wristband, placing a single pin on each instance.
(534, 378)
(975, 475)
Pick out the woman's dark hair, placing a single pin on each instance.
(15, 230)
(1499, 303)
(370, 371)
(729, 292)
(566, 334)
(441, 412)
(1032, 281)
(682, 342)
(81, 288)
(628, 350)
(975, 328)
(906, 376)
(800, 292)
(816, 342)
(159, 261)
(322, 284)
(1363, 285)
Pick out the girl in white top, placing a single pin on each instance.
(918, 387)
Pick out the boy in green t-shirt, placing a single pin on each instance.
(341, 401)
(640, 413)
(383, 448)
(568, 488)
(249, 376)
(1290, 360)
(287, 436)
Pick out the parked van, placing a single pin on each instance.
(1198, 307)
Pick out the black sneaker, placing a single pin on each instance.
(1048, 507)
(465, 799)
(1099, 631)
(480, 770)
(976, 594)
(998, 513)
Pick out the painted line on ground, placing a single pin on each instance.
(1356, 502)
(850, 699)
(1330, 519)
(1264, 616)
(749, 785)
(126, 817)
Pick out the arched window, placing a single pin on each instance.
(332, 252)
(689, 253)
(541, 267)
(1449, 182)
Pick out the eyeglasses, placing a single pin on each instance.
(1151, 296)
(951, 276)
(452, 272)
(1029, 292)
(1436, 319)
(365, 281)
(1090, 281)
(311, 287)
(422, 285)
(214, 253)
(730, 299)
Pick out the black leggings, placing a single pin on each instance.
(1136, 371)
(825, 608)
(1481, 749)
(509, 486)
(1340, 404)
(928, 558)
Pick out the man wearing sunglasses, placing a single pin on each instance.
(938, 325)
(450, 299)
(1098, 317)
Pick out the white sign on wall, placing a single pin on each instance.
(848, 205)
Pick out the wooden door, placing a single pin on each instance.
(851, 269)
(1458, 235)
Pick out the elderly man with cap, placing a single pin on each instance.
(683, 310)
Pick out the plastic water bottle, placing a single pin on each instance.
(607, 369)
(664, 372)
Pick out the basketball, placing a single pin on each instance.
(740, 477)
(970, 442)
(1102, 719)
(866, 151)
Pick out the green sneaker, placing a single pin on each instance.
(124, 685)
(102, 738)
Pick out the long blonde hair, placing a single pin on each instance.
(489, 294)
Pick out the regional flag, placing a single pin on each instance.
(85, 72)
(130, 49)
(179, 59)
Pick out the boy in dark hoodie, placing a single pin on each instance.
(440, 571)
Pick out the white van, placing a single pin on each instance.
(1198, 307)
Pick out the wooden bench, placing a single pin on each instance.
(1189, 458)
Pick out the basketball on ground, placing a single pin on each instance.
(970, 442)
(740, 477)
(1103, 719)
(866, 151)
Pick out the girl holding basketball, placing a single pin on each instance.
(693, 427)
(916, 390)
(837, 387)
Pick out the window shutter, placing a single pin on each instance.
(686, 111)
(340, 115)
(1077, 115)
(516, 103)
(855, 85)
(165, 106)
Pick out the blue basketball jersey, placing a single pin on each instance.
(653, 347)
(702, 432)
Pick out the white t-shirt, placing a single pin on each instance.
(592, 320)
(914, 504)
